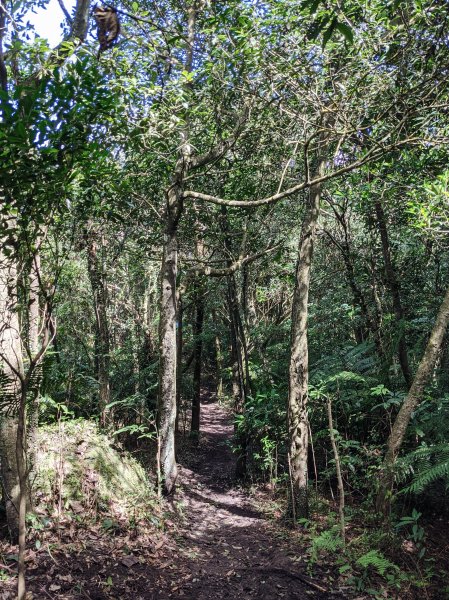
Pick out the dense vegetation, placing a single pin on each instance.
(245, 197)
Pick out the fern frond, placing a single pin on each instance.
(426, 464)
(377, 561)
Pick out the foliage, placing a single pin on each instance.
(79, 467)
(93, 145)
(426, 465)
(262, 424)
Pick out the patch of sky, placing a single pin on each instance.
(47, 20)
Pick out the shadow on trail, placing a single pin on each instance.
(229, 550)
(218, 547)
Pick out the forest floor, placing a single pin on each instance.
(216, 545)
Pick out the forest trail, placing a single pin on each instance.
(215, 545)
(228, 549)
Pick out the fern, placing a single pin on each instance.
(426, 464)
(377, 561)
(327, 541)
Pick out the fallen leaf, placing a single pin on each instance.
(130, 561)
(158, 545)
(76, 506)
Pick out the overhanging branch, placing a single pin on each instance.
(370, 156)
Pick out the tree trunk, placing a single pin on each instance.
(179, 349)
(198, 300)
(168, 351)
(102, 345)
(393, 285)
(341, 489)
(299, 369)
(11, 365)
(218, 362)
(167, 323)
(377, 321)
(240, 372)
(197, 360)
(35, 384)
(412, 400)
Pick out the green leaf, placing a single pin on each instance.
(346, 31)
(328, 33)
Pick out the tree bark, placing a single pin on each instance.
(102, 344)
(197, 360)
(168, 354)
(341, 489)
(35, 384)
(11, 364)
(198, 300)
(179, 349)
(167, 324)
(299, 368)
(393, 285)
(240, 372)
(414, 397)
(218, 362)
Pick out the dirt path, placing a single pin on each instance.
(228, 549)
(215, 545)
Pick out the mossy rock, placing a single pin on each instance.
(78, 463)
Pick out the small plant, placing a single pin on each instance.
(328, 541)
(374, 561)
(416, 533)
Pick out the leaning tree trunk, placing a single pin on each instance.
(412, 400)
(298, 425)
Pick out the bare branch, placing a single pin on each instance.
(370, 156)
(66, 12)
(222, 147)
(235, 266)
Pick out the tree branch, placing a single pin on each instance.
(222, 147)
(235, 266)
(371, 155)
(66, 12)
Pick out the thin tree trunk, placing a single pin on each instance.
(393, 285)
(239, 354)
(179, 349)
(410, 403)
(35, 385)
(167, 323)
(102, 343)
(168, 352)
(240, 374)
(21, 460)
(377, 321)
(218, 362)
(198, 300)
(197, 360)
(299, 361)
(341, 489)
